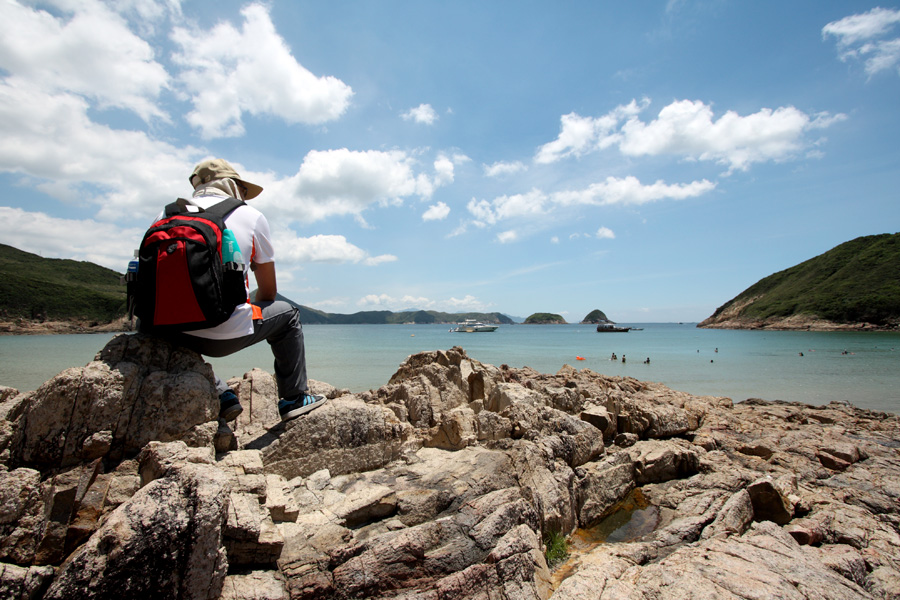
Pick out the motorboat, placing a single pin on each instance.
(473, 326)
(611, 328)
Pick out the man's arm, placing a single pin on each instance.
(266, 288)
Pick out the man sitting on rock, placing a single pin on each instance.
(275, 321)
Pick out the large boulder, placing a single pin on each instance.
(138, 389)
(345, 436)
(165, 541)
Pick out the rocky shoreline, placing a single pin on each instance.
(793, 323)
(731, 317)
(116, 480)
(43, 327)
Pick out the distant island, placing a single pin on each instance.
(595, 317)
(855, 285)
(545, 319)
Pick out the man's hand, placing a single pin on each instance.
(266, 287)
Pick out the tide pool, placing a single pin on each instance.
(858, 367)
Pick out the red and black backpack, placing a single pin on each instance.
(182, 282)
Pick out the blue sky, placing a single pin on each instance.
(649, 159)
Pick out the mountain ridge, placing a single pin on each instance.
(313, 316)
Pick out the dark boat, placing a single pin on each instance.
(611, 328)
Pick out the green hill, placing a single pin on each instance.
(545, 319)
(596, 316)
(855, 283)
(33, 287)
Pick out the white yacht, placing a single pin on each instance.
(473, 326)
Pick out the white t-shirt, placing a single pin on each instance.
(251, 229)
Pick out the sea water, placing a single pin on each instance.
(802, 366)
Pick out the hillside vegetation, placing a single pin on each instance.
(855, 283)
(33, 287)
(545, 319)
(595, 316)
(312, 316)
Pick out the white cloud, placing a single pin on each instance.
(443, 171)
(373, 261)
(630, 190)
(579, 135)
(536, 204)
(554, 239)
(388, 302)
(858, 28)
(531, 204)
(422, 113)
(689, 129)
(89, 52)
(499, 169)
(506, 237)
(49, 137)
(101, 243)
(482, 211)
(468, 303)
(324, 249)
(605, 233)
(343, 182)
(858, 37)
(230, 71)
(520, 205)
(436, 212)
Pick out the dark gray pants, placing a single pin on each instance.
(281, 328)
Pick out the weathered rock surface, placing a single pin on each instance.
(139, 390)
(117, 481)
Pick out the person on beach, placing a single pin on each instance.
(265, 318)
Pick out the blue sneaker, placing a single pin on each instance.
(301, 405)
(229, 407)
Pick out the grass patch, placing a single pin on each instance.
(556, 548)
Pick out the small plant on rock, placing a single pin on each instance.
(556, 548)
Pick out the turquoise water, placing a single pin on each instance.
(748, 364)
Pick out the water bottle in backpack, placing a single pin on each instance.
(232, 259)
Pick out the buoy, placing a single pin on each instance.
(579, 358)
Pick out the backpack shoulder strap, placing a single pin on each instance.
(225, 207)
(176, 208)
(221, 210)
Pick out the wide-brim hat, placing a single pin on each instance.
(218, 168)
